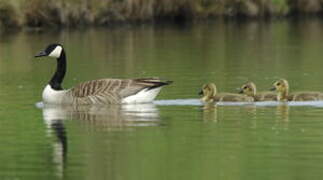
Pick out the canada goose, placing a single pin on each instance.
(282, 88)
(102, 91)
(209, 94)
(250, 89)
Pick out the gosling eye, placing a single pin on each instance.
(245, 87)
(278, 84)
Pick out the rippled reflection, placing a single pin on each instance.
(282, 112)
(60, 146)
(115, 117)
(107, 116)
(212, 112)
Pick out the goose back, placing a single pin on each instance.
(112, 91)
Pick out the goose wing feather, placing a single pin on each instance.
(115, 88)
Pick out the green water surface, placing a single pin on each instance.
(156, 141)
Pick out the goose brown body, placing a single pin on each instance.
(112, 91)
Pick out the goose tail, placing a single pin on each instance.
(153, 83)
(147, 94)
(160, 84)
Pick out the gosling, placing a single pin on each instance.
(250, 90)
(282, 88)
(209, 95)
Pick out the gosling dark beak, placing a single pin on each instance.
(273, 89)
(41, 54)
(201, 93)
(240, 91)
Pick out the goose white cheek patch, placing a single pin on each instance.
(56, 53)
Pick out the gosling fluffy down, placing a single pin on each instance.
(250, 90)
(209, 95)
(282, 88)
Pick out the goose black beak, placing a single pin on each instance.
(41, 54)
(200, 93)
(273, 89)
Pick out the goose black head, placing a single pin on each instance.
(52, 50)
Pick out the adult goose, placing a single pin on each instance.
(101, 91)
(282, 88)
(210, 95)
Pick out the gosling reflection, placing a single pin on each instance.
(101, 118)
(210, 112)
(216, 113)
(282, 112)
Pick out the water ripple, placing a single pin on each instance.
(197, 102)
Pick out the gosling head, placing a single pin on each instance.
(248, 89)
(52, 50)
(208, 91)
(280, 86)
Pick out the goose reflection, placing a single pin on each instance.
(103, 118)
(110, 117)
(60, 146)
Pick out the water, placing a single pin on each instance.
(176, 137)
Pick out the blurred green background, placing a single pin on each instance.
(80, 13)
(165, 141)
(188, 41)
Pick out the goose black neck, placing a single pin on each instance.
(58, 77)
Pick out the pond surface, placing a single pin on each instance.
(176, 137)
